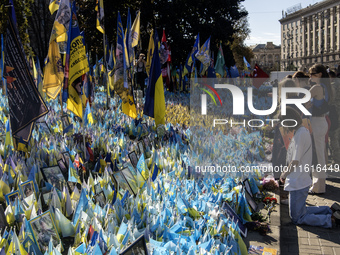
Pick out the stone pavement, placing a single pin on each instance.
(307, 239)
(272, 239)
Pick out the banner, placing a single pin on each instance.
(25, 102)
(76, 66)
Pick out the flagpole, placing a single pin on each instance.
(84, 144)
(105, 73)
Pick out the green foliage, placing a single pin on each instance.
(182, 20)
(22, 12)
(40, 26)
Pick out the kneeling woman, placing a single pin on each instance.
(297, 179)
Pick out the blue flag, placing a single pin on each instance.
(154, 100)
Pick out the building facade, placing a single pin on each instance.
(311, 35)
(267, 56)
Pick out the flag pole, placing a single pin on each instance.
(84, 144)
(105, 73)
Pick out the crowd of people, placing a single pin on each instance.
(307, 153)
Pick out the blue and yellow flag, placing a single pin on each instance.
(128, 38)
(53, 6)
(203, 55)
(121, 86)
(151, 49)
(247, 65)
(100, 16)
(8, 138)
(54, 72)
(187, 67)
(88, 119)
(135, 31)
(154, 100)
(194, 51)
(155, 172)
(61, 22)
(72, 173)
(76, 65)
(142, 170)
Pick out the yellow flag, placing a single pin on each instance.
(53, 6)
(78, 60)
(100, 16)
(151, 48)
(74, 102)
(135, 30)
(129, 107)
(53, 73)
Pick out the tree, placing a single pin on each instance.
(22, 12)
(41, 23)
(182, 20)
(237, 46)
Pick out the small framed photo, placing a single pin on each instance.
(63, 167)
(121, 181)
(47, 197)
(140, 147)
(247, 187)
(100, 199)
(44, 229)
(133, 158)
(71, 186)
(137, 247)
(230, 213)
(65, 121)
(146, 141)
(66, 157)
(44, 126)
(131, 180)
(54, 176)
(131, 168)
(10, 197)
(27, 188)
(97, 188)
(145, 127)
(251, 201)
(30, 246)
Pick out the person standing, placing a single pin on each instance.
(321, 94)
(141, 71)
(334, 133)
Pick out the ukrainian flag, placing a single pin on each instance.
(88, 119)
(72, 173)
(8, 138)
(154, 99)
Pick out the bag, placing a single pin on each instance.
(325, 107)
(321, 110)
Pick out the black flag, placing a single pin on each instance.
(25, 103)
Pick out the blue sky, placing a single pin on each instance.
(263, 18)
